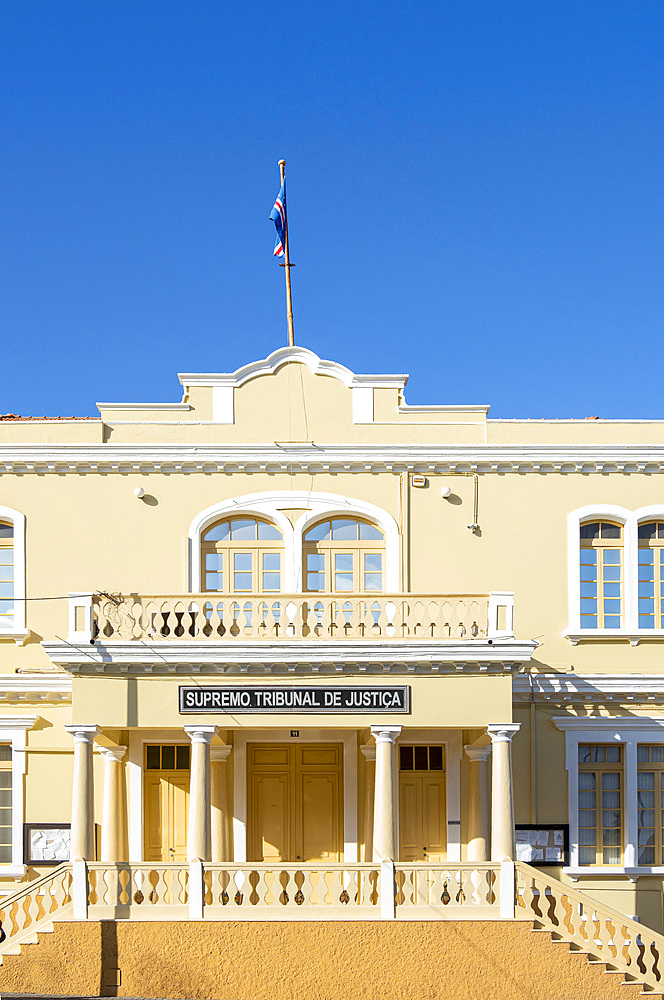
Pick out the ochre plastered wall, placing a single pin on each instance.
(323, 960)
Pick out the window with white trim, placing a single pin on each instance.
(6, 575)
(5, 803)
(600, 804)
(650, 800)
(242, 555)
(651, 574)
(601, 574)
(343, 555)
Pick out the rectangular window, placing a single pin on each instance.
(315, 571)
(5, 803)
(6, 576)
(271, 571)
(373, 571)
(650, 801)
(343, 571)
(242, 572)
(600, 804)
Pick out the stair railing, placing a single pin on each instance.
(35, 904)
(591, 926)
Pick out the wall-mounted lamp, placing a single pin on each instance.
(445, 492)
(139, 492)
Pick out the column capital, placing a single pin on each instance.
(503, 733)
(385, 734)
(83, 734)
(477, 753)
(113, 753)
(201, 734)
(219, 753)
(368, 751)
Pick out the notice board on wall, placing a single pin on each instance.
(542, 844)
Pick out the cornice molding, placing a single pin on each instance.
(302, 658)
(642, 689)
(293, 355)
(27, 688)
(310, 457)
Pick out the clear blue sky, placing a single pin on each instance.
(475, 195)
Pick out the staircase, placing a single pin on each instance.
(563, 944)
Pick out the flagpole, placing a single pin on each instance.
(287, 265)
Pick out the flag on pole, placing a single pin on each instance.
(278, 216)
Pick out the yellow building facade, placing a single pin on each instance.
(258, 644)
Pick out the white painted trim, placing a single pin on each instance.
(292, 355)
(317, 505)
(363, 404)
(554, 686)
(14, 730)
(17, 520)
(444, 408)
(36, 687)
(574, 519)
(262, 505)
(180, 407)
(41, 458)
(501, 655)
(349, 740)
(630, 519)
(223, 404)
(628, 730)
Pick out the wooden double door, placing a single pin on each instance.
(295, 804)
(422, 804)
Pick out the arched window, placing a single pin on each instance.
(651, 574)
(6, 575)
(601, 574)
(242, 555)
(343, 555)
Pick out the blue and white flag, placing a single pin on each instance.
(278, 216)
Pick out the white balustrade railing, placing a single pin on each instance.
(221, 618)
(457, 892)
(144, 890)
(590, 926)
(292, 892)
(35, 906)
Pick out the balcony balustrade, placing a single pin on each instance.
(273, 617)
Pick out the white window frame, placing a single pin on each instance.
(630, 732)
(17, 630)
(316, 507)
(13, 731)
(630, 520)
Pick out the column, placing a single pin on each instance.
(385, 826)
(502, 798)
(198, 834)
(369, 754)
(219, 803)
(82, 802)
(114, 808)
(478, 804)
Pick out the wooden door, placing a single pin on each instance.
(422, 812)
(294, 802)
(166, 803)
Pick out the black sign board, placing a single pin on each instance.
(270, 699)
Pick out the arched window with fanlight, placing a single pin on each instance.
(343, 555)
(6, 575)
(601, 574)
(242, 555)
(651, 574)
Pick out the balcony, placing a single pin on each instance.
(217, 618)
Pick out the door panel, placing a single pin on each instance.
(320, 834)
(295, 811)
(434, 826)
(270, 817)
(410, 818)
(152, 825)
(178, 812)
